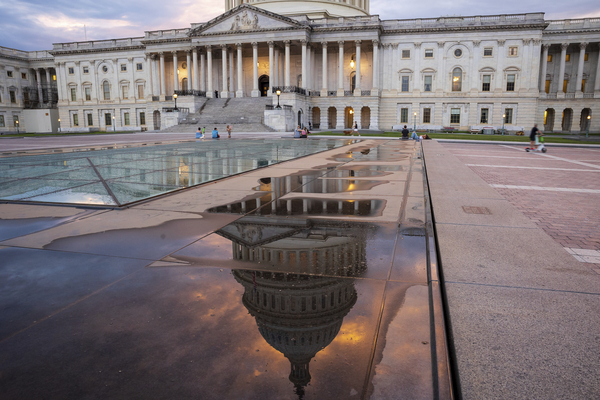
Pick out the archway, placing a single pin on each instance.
(549, 119)
(300, 119)
(156, 118)
(567, 119)
(349, 117)
(316, 117)
(331, 118)
(365, 118)
(263, 85)
(584, 122)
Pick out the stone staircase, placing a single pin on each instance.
(191, 128)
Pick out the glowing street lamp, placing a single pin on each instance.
(415, 122)
(278, 92)
(17, 124)
(59, 125)
(503, 119)
(587, 132)
(114, 125)
(175, 97)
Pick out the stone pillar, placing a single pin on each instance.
(339, 124)
(271, 68)
(231, 75)
(255, 92)
(500, 66)
(357, 91)
(60, 82)
(324, 85)
(561, 74)
(48, 83)
(597, 82)
(304, 66)
(309, 68)
(524, 76)
(578, 92)
(209, 78)
(224, 92)
(188, 64)
(394, 76)
(544, 67)
(475, 78)
(440, 85)
(175, 75)
(38, 76)
(240, 87)
(375, 90)
(416, 78)
(287, 62)
(534, 66)
(195, 85)
(276, 68)
(340, 85)
(202, 73)
(163, 89)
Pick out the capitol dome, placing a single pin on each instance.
(310, 8)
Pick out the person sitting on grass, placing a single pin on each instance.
(404, 133)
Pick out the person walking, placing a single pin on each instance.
(229, 127)
(355, 129)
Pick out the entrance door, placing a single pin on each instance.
(263, 85)
(156, 118)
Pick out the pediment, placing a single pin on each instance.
(487, 69)
(246, 18)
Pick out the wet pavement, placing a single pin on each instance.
(314, 278)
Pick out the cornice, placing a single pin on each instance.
(99, 50)
(540, 26)
(571, 31)
(234, 33)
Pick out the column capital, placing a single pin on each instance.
(358, 42)
(287, 42)
(417, 45)
(476, 43)
(303, 42)
(195, 50)
(537, 42)
(441, 44)
(188, 51)
(254, 45)
(238, 45)
(341, 43)
(153, 56)
(223, 46)
(501, 42)
(208, 47)
(526, 41)
(564, 46)
(324, 45)
(271, 43)
(395, 45)
(376, 42)
(546, 46)
(161, 53)
(174, 52)
(130, 59)
(582, 45)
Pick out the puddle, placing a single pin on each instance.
(307, 184)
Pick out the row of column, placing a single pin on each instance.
(561, 73)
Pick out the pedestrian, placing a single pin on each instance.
(199, 134)
(404, 133)
(229, 127)
(297, 133)
(355, 129)
(532, 137)
(215, 133)
(203, 131)
(309, 126)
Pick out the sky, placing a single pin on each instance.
(36, 24)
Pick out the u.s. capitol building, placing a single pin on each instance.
(333, 63)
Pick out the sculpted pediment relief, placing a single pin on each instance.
(245, 18)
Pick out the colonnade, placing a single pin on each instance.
(561, 74)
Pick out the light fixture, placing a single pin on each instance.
(352, 62)
(351, 111)
(278, 92)
(175, 98)
(177, 71)
(258, 64)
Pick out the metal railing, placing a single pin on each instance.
(183, 110)
(348, 93)
(272, 107)
(289, 89)
(189, 92)
(331, 93)
(365, 92)
(314, 93)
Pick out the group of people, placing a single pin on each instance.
(215, 133)
(301, 132)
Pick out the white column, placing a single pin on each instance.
(395, 67)
(441, 75)
(544, 67)
(255, 92)
(209, 80)
(276, 68)
(231, 75)
(202, 73)
(271, 68)
(38, 76)
(524, 76)
(60, 82)
(324, 85)
(309, 69)
(188, 64)
(304, 65)
(561, 74)
(597, 83)
(240, 87)
(163, 89)
(340, 86)
(357, 77)
(195, 85)
(175, 75)
(375, 68)
(474, 87)
(578, 91)
(154, 72)
(224, 92)
(287, 62)
(500, 68)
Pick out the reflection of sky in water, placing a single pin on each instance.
(75, 196)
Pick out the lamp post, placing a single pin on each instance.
(17, 123)
(114, 125)
(503, 119)
(415, 122)
(175, 97)
(278, 92)
(587, 132)
(59, 125)
(352, 118)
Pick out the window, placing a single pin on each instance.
(73, 94)
(25, 97)
(512, 51)
(456, 80)
(457, 53)
(88, 93)
(427, 115)
(427, 86)
(140, 91)
(510, 83)
(71, 70)
(125, 91)
(86, 70)
(105, 69)
(404, 115)
(583, 85)
(405, 83)
(547, 88)
(23, 75)
(1, 121)
(139, 66)
(508, 115)
(488, 51)
(405, 53)
(107, 119)
(90, 119)
(142, 118)
(54, 77)
(585, 57)
(13, 96)
(567, 57)
(9, 74)
(75, 120)
(455, 116)
(485, 112)
(126, 118)
(549, 59)
(485, 87)
(123, 67)
(428, 53)
(106, 90)
(565, 84)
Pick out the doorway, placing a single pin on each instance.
(156, 118)
(263, 85)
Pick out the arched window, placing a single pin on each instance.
(456, 80)
(106, 90)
